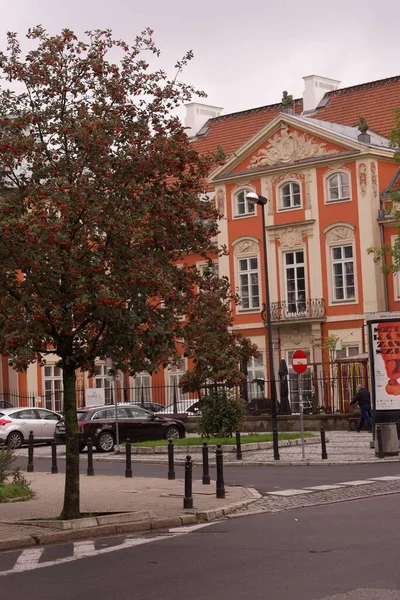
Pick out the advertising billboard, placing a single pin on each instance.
(385, 355)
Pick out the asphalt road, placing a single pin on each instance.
(263, 478)
(348, 548)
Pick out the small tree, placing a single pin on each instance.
(222, 413)
(215, 348)
(101, 201)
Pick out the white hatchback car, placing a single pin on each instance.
(16, 424)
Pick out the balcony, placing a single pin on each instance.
(298, 311)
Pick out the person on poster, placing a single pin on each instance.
(363, 398)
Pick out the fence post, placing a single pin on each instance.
(275, 438)
(238, 446)
(220, 487)
(206, 471)
(30, 453)
(128, 454)
(188, 498)
(379, 439)
(324, 454)
(90, 469)
(171, 468)
(54, 468)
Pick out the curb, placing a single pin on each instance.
(68, 535)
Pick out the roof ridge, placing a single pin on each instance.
(363, 86)
(249, 111)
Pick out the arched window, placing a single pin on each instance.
(290, 195)
(242, 206)
(338, 187)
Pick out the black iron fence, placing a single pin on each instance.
(321, 393)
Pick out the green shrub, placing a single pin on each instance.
(221, 413)
(6, 458)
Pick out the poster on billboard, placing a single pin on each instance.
(385, 337)
(95, 397)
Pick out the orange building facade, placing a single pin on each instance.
(326, 180)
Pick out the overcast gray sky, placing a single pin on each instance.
(246, 54)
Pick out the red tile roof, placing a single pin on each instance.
(374, 100)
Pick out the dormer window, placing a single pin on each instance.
(290, 195)
(338, 187)
(242, 206)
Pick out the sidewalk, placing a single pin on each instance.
(343, 447)
(136, 504)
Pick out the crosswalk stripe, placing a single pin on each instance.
(28, 559)
(82, 549)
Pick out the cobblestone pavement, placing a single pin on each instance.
(343, 447)
(312, 496)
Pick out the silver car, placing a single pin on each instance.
(16, 423)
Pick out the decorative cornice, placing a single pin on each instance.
(287, 147)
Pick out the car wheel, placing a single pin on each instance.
(173, 433)
(105, 442)
(15, 439)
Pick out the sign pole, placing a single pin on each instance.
(300, 364)
(303, 452)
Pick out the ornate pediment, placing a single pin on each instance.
(287, 147)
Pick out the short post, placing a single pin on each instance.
(324, 454)
(128, 454)
(90, 469)
(276, 443)
(206, 468)
(238, 446)
(220, 487)
(54, 468)
(30, 453)
(188, 498)
(379, 439)
(171, 468)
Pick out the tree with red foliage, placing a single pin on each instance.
(101, 200)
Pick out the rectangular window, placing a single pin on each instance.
(53, 388)
(214, 268)
(295, 282)
(101, 381)
(347, 352)
(343, 273)
(256, 377)
(174, 391)
(142, 387)
(248, 283)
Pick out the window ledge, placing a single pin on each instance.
(244, 216)
(289, 208)
(337, 200)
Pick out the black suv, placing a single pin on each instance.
(134, 422)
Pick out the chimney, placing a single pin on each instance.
(315, 88)
(197, 115)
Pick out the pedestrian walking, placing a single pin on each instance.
(363, 398)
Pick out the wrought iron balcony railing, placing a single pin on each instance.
(301, 309)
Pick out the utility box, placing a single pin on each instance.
(390, 440)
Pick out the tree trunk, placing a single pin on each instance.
(71, 508)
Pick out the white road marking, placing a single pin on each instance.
(356, 482)
(324, 488)
(385, 478)
(289, 493)
(28, 560)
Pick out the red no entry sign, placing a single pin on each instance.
(299, 361)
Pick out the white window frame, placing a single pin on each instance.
(247, 273)
(250, 209)
(256, 370)
(292, 206)
(174, 375)
(214, 267)
(142, 379)
(343, 261)
(341, 198)
(101, 381)
(53, 388)
(285, 269)
(348, 351)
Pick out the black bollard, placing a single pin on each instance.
(128, 454)
(379, 439)
(188, 499)
(238, 446)
(220, 472)
(171, 468)
(276, 443)
(206, 470)
(30, 453)
(90, 469)
(324, 454)
(54, 468)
